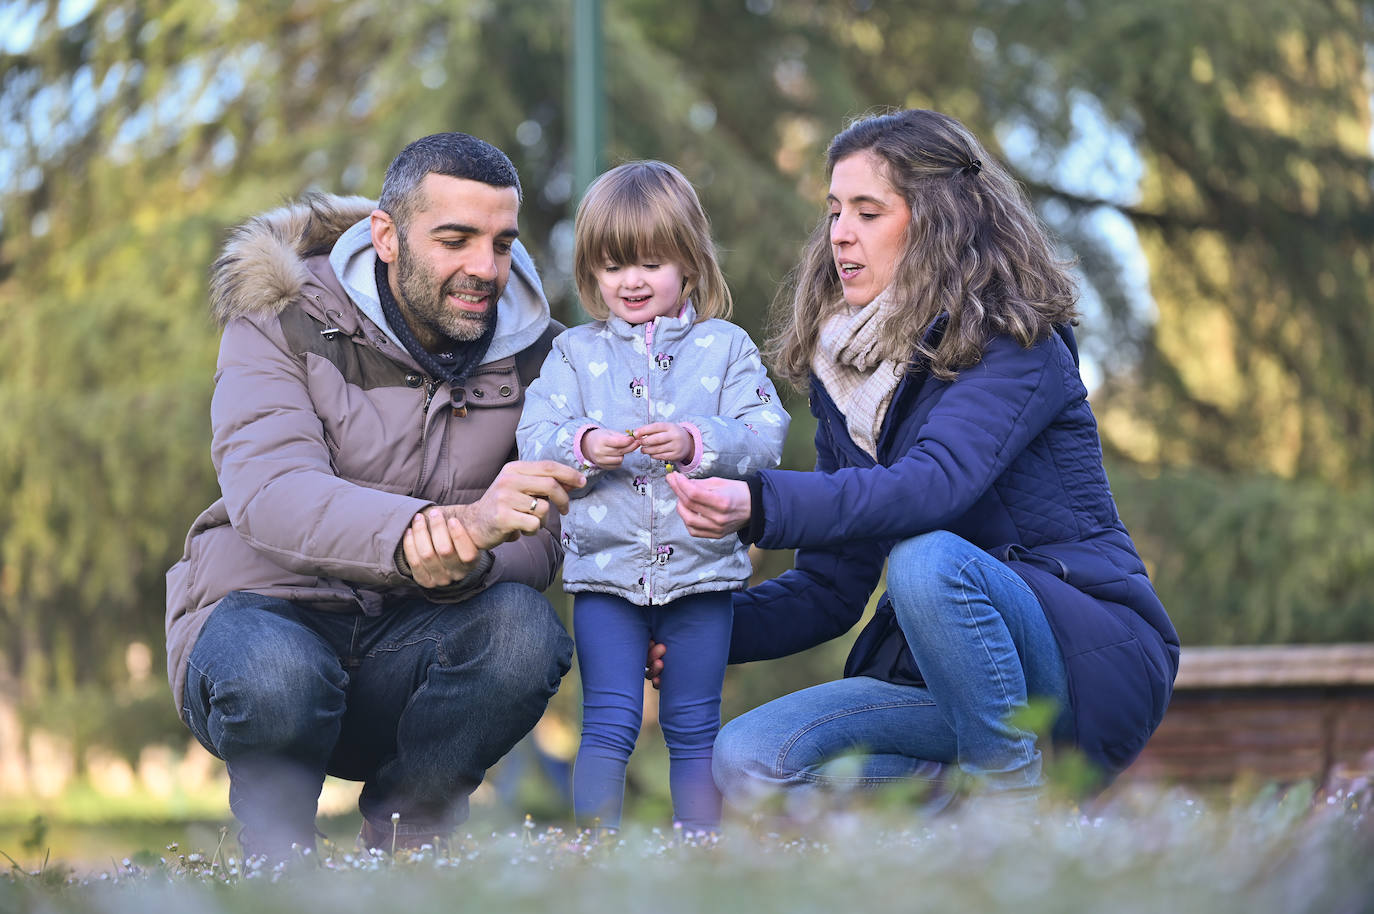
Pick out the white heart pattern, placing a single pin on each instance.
(772, 418)
(559, 400)
(595, 414)
(597, 513)
(602, 559)
(597, 368)
(705, 341)
(710, 384)
(665, 409)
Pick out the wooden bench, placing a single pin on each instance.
(1281, 713)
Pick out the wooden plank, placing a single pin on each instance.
(1352, 737)
(1282, 713)
(1276, 665)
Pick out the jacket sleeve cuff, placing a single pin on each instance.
(697, 450)
(754, 531)
(581, 458)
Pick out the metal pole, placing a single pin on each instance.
(588, 95)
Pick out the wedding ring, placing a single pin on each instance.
(534, 505)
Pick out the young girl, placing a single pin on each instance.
(655, 384)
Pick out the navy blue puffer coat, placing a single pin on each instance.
(1006, 456)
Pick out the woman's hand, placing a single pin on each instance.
(712, 507)
(653, 663)
(605, 448)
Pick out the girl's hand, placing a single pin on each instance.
(607, 449)
(665, 441)
(711, 507)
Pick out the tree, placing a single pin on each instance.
(1252, 124)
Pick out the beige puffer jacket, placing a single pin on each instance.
(328, 438)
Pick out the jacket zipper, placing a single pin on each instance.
(649, 411)
(430, 387)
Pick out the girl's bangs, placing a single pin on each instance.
(635, 233)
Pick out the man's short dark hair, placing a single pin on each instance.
(456, 155)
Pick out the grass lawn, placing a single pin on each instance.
(1146, 850)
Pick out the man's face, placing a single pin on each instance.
(452, 259)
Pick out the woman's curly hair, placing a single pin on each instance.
(975, 251)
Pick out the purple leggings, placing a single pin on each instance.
(612, 636)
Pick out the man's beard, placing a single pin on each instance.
(426, 302)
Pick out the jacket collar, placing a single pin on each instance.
(666, 329)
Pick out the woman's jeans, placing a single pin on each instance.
(612, 634)
(417, 702)
(983, 645)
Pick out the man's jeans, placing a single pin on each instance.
(981, 640)
(418, 702)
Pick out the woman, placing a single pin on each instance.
(931, 320)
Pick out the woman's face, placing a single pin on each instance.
(868, 223)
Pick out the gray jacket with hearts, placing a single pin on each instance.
(623, 535)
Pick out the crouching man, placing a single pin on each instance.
(364, 600)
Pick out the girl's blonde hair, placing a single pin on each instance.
(975, 251)
(643, 212)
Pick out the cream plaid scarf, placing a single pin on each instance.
(848, 363)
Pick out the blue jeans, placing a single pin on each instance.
(983, 644)
(417, 702)
(612, 634)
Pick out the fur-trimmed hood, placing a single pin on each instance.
(262, 269)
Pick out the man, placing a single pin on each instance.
(364, 599)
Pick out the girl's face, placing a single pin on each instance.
(868, 223)
(639, 292)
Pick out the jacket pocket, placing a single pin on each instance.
(1079, 564)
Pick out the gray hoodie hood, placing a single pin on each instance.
(522, 314)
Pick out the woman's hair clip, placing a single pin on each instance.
(972, 168)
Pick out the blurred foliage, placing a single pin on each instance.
(123, 722)
(1250, 130)
(1229, 143)
(1257, 559)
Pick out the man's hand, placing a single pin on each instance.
(444, 541)
(711, 507)
(665, 441)
(438, 547)
(605, 448)
(518, 500)
(653, 663)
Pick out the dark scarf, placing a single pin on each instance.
(457, 358)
